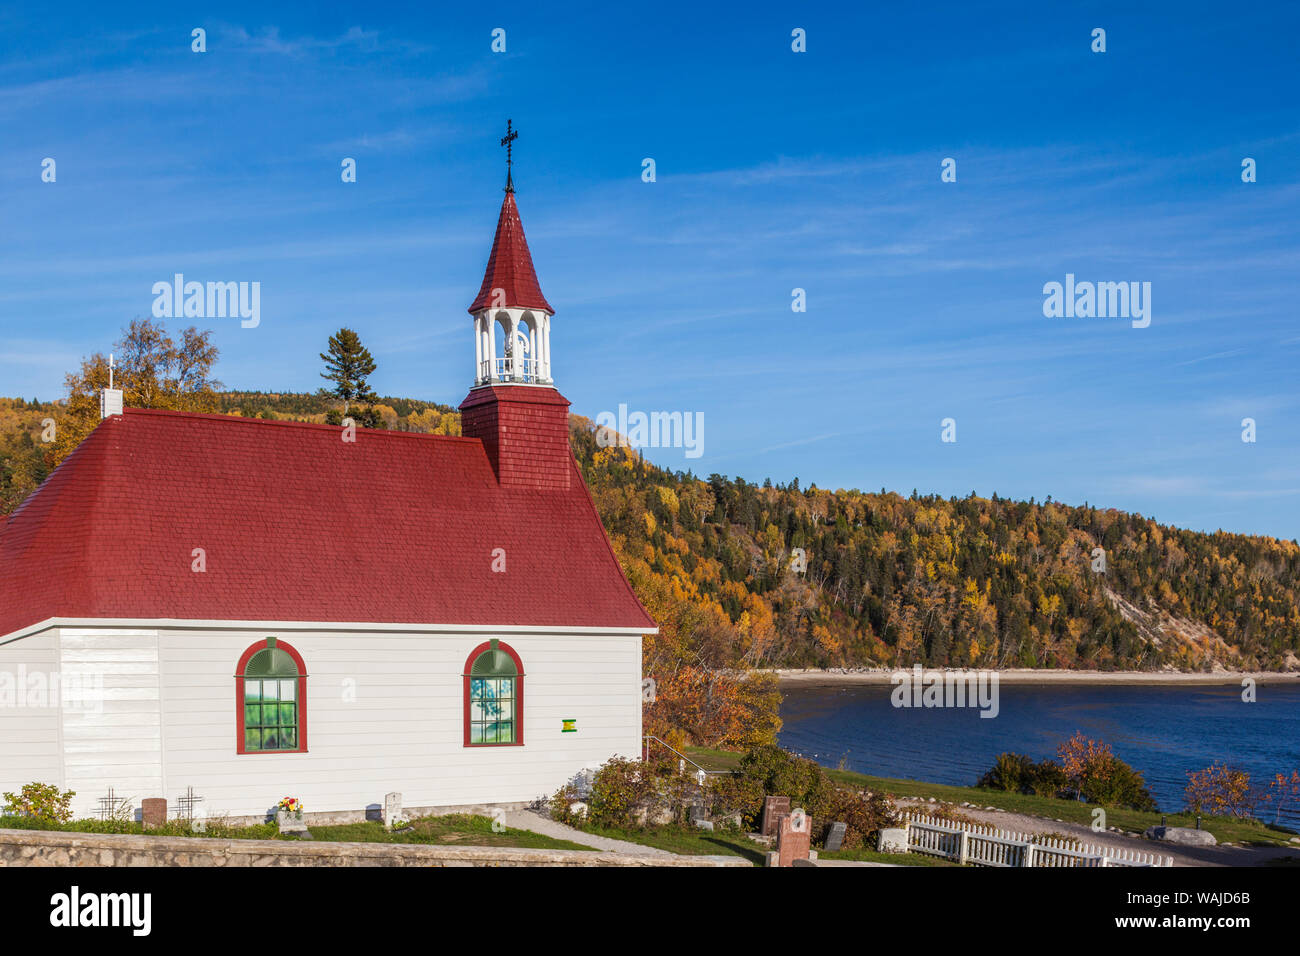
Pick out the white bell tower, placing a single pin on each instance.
(512, 346)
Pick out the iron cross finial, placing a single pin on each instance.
(508, 141)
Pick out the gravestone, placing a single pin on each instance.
(794, 839)
(392, 809)
(581, 781)
(835, 836)
(153, 811)
(291, 823)
(892, 840)
(773, 808)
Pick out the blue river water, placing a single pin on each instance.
(1164, 731)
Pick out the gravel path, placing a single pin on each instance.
(1182, 855)
(532, 820)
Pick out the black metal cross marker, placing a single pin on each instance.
(185, 804)
(108, 805)
(508, 141)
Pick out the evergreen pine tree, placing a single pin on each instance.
(348, 364)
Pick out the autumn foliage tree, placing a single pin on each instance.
(25, 428)
(1093, 771)
(1282, 791)
(1220, 790)
(153, 370)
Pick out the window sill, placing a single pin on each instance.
(471, 746)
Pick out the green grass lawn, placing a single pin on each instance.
(871, 856)
(695, 842)
(688, 841)
(452, 830)
(182, 828)
(1225, 829)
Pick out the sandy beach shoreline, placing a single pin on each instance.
(1027, 676)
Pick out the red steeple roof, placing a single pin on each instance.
(510, 266)
(276, 507)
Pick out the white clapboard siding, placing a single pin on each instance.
(385, 712)
(403, 727)
(120, 743)
(29, 724)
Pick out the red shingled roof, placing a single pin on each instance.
(510, 265)
(298, 525)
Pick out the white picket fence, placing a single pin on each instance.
(983, 845)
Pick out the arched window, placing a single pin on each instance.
(271, 699)
(494, 696)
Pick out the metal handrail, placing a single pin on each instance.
(508, 370)
(665, 744)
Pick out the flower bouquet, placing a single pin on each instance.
(288, 810)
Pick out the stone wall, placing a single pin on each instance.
(57, 848)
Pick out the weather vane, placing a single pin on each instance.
(508, 141)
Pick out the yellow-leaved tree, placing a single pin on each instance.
(152, 369)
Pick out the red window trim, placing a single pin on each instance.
(519, 692)
(302, 697)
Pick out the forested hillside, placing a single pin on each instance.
(890, 580)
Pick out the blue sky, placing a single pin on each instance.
(775, 170)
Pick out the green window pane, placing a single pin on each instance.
(271, 702)
(492, 698)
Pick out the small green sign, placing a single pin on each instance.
(570, 725)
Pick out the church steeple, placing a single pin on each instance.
(513, 407)
(511, 298)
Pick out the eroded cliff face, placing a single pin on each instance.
(1193, 641)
